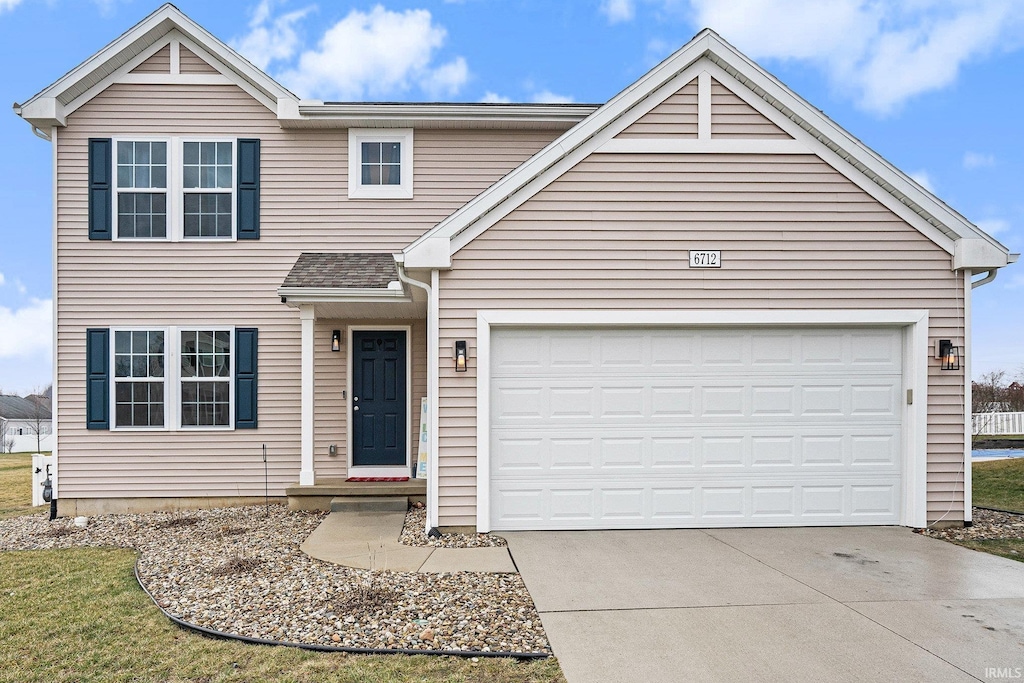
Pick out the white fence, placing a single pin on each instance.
(26, 443)
(996, 424)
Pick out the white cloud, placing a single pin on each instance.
(882, 53)
(495, 98)
(447, 79)
(994, 226)
(26, 330)
(270, 39)
(20, 286)
(1, 279)
(376, 54)
(974, 160)
(548, 97)
(8, 4)
(618, 10)
(923, 179)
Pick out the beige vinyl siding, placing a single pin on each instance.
(129, 283)
(731, 117)
(330, 410)
(190, 63)
(676, 117)
(159, 63)
(613, 233)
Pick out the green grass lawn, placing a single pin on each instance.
(79, 615)
(999, 484)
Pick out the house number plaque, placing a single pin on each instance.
(706, 259)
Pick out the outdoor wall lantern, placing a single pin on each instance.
(336, 340)
(949, 355)
(460, 356)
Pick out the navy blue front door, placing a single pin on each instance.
(378, 398)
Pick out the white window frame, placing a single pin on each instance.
(168, 189)
(175, 187)
(356, 189)
(172, 377)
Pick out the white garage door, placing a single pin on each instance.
(625, 428)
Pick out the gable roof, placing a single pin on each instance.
(115, 62)
(970, 247)
(19, 408)
(51, 106)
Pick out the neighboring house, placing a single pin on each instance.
(22, 419)
(700, 304)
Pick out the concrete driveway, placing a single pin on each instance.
(809, 604)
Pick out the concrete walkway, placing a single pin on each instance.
(809, 604)
(369, 540)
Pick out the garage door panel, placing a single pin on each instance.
(525, 402)
(662, 449)
(630, 428)
(609, 504)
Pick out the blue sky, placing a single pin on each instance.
(934, 86)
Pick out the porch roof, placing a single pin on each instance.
(350, 285)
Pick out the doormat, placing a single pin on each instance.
(377, 479)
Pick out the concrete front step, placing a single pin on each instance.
(320, 495)
(369, 504)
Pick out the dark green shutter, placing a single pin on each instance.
(97, 378)
(101, 189)
(248, 190)
(245, 377)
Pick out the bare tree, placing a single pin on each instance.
(39, 418)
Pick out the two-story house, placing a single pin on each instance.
(701, 303)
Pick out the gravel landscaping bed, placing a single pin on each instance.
(987, 525)
(240, 571)
(414, 533)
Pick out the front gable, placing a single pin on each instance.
(708, 98)
(165, 48)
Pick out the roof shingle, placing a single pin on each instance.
(359, 270)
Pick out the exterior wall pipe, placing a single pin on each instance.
(985, 280)
(432, 351)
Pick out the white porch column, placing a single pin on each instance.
(306, 474)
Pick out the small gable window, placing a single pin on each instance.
(380, 164)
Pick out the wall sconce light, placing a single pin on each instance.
(460, 356)
(336, 340)
(949, 355)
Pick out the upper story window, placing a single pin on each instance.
(174, 189)
(380, 163)
(141, 189)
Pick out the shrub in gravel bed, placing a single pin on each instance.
(292, 597)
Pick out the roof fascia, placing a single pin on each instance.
(435, 248)
(390, 114)
(166, 18)
(316, 295)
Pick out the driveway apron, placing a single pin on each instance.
(806, 604)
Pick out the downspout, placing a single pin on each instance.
(431, 397)
(989, 277)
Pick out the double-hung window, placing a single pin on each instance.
(174, 189)
(141, 175)
(380, 163)
(173, 377)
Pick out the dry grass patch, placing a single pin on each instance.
(16, 485)
(237, 565)
(78, 615)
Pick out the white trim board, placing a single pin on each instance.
(916, 353)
